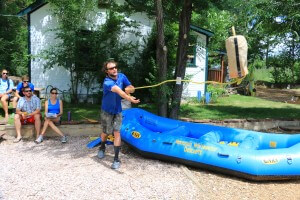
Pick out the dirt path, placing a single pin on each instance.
(280, 95)
(55, 171)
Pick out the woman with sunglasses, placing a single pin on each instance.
(53, 112)
(18, 94)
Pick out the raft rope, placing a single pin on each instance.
(90, 120)
(237, 81)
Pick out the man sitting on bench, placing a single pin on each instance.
(28, 112)
(6, 86)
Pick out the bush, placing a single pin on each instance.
(216, 91)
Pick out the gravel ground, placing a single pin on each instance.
(52, 170)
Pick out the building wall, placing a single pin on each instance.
(41, 38)
(197, 73)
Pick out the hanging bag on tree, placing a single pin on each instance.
(237, 49)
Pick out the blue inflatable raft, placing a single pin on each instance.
(243, 153)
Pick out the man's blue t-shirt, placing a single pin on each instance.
(20, 86)
(111, 101)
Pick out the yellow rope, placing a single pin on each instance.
(237, 81)
(90, 120)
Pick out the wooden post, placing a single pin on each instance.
(222, 69)
(233, 31)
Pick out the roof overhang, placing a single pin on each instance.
(32, 7)
(201, 30)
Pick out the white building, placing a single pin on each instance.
(40, 21)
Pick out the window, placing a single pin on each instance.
(191, 51)
(103, 3)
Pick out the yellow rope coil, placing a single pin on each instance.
(237, 81)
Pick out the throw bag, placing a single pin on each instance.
(237, 49)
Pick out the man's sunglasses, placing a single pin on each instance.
(112, 68)
(25, 81)
(5, 73)
(54, 93)
(27, 91)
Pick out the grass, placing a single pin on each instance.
(81, 111)
(241, 107)
(230, 107)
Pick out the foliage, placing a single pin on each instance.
(13, 37)
(145, 72)
(216, 91)
(219, 21)
(260, 71)
(282, 72)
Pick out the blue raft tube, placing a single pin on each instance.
(243, 153)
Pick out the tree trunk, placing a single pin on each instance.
(267, 53)
(293, 59)
(161, 60)
(181, 57)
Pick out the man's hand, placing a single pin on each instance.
(134, 100)
(24, 115)
(120, 92)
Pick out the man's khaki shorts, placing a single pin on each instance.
(110, 122)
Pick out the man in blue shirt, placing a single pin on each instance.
(111, 110)
(18, 94)
(6, 86)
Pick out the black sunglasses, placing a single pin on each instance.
(25, 81)
(54, 93)
(27, 91)
(4, 73)
(112, 68)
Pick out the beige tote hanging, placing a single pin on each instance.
(237, 50)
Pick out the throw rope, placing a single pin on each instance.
(237, 81)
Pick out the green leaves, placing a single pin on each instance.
(13, 37)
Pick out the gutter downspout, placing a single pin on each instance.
(206, 65)
(29, 46)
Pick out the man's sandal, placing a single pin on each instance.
(17, 140)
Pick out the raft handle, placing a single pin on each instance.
(224, 155)
(168, 143)
(289, 160)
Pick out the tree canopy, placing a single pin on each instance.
(13, 37)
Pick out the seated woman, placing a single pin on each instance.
(53, 112)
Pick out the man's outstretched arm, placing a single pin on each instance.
(120, 92)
